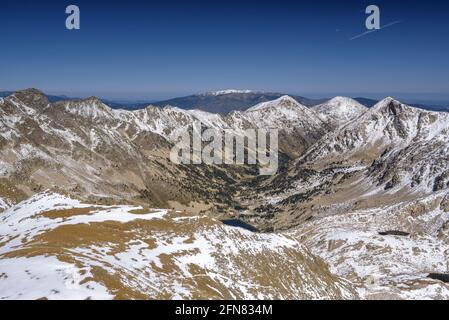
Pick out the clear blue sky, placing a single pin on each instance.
(152, 50)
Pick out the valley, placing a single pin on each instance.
(358, 208)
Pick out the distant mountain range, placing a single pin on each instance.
(225, 101)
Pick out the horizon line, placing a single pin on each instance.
(443, 97)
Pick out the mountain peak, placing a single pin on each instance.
(340, 110)
(284, 101)
(32, 98)
(169, 107)
(92, 108)
(390, 105)
(386, 101)
(225, 92)
(92, 102)
(340, 100)
(93, 99)
(30, 91)
(287, 98)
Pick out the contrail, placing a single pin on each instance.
(371, 31)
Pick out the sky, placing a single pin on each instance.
(160, 49)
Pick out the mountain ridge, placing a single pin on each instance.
(229, 104)
(342, 190)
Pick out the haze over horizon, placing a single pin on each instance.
(138, 50)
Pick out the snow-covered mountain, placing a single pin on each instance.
(227, 91)
(86, 147)
(401, 146)
(390, 153)
(340, 110)
(370, 198)
(346, 173)
(226, 101)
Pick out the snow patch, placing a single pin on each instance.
(46, 277)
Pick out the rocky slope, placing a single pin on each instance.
(391, 153)
(87, 148)
(54, 247)
(370, 198)
(388, 252)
